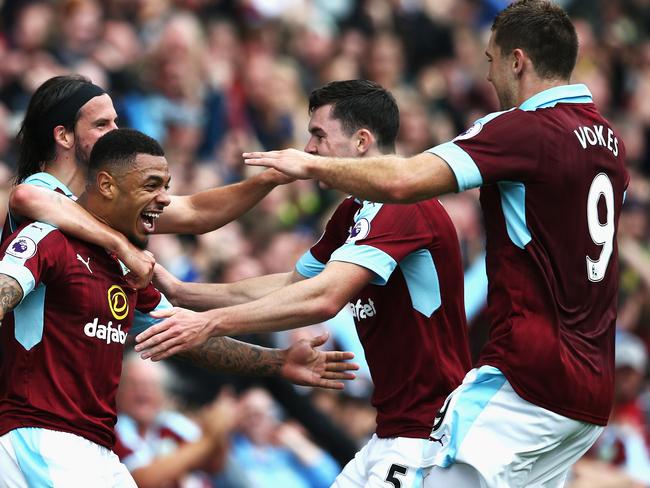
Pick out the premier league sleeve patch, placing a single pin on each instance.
(22, 247)
(471, 132)
(359, 230)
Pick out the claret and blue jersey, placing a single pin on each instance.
(63, 344)
(410, 318)
(553, 179)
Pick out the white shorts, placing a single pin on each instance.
(34, 458)
(396, 461)
(508, 440)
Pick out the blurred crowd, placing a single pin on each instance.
(212, 78)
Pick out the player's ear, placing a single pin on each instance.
(106, 185)
(518, 59)
(364, 141)
(63, 137)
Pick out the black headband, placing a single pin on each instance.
(65, 110)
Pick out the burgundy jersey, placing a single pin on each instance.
(552, 179)
(63, 343)
(410, 318)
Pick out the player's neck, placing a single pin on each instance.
(67, 171)
(534, 85)
(95, 206)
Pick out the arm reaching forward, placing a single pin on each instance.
(301, 363)
(40, 204)
(204, 296)
(199, 213)
(210, 209)
(388, 178)
(307, 302)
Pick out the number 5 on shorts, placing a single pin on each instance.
(394, 470)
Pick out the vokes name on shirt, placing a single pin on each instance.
(595, 136)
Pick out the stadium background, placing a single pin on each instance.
(210, 79)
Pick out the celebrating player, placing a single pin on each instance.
(398, 267)
(65, 116)
(552, 176)
(66, 311)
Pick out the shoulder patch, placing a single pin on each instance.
(471, 132)
(22, 247)
(359, 230)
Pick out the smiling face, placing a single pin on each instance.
(140, 198)
(328, 138)
(96, 118)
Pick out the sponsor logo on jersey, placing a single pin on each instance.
(22, 247)
(362, 311)
(359, 230)
(117, 302)
(107, 332)
(86, 263)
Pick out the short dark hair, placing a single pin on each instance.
(544, 31)
(118, 149)
(36, 146)
(361, 104)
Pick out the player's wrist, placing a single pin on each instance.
(215, 325)
(117, 243)
(312, 165)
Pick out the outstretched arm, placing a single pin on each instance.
(204, 296)
(11, 293)
(301, 363)
(389, 178)
(40, 204)
(210, 209)
(303, 303)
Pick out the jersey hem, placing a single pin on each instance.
(572, 414)
(14, 424)
(416, 433)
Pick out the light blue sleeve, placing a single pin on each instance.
(20, 250)
(369, 257)
(308, 266)
(464, 168)
(142, 321)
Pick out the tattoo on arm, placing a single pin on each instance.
(10, 294)
(228, 355)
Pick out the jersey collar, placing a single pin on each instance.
(49, 181)
(558, 94)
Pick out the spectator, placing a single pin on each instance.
(276, 453)
(161, 447)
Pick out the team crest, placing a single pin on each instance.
(117, 302)
(22, 247)
(469, 133)
(359, 230)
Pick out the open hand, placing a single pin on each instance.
(289, 161)
(308, 366)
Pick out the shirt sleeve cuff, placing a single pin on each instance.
(369, 257)
(464, 168)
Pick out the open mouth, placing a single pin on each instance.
(149, 220)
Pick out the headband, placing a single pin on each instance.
(65, 110)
